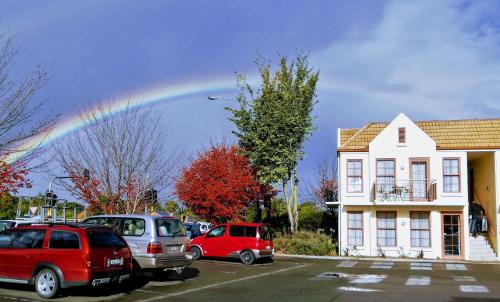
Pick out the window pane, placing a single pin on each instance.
(170, 227)
(217, 232)
(5, 239)
(250, 231)
(134, 227)
(64, 240)
(28, 239)
(103, 238)
(237, 231)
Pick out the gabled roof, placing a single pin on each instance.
(448, 134)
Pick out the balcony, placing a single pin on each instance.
(395, 191)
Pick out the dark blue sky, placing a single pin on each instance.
(429, 59)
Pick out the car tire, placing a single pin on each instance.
(47, 283)
(247, 257)
(196, 253)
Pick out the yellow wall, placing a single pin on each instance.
(484, 189)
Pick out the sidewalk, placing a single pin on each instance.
(381, 259)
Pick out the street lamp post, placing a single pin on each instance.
(218, 98)
(54, 206)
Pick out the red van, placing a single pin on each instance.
(246, 241)
(62, 255)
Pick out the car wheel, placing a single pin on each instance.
(196, 253)
(247, 257)
(47, 283)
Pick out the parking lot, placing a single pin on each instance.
(293, 279)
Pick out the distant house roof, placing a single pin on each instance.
(448, 134)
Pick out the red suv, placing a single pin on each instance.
(246, 241)
(54, 256)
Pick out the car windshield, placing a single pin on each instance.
(169, 227)
(102, 238)
(5, 224)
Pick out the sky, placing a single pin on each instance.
(428, 59)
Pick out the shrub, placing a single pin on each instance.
(310, 216)
(305, 243)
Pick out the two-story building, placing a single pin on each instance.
(405, 188)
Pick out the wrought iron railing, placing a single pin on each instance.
(394, 190)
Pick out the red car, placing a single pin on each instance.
(246, 241)
(54, 256)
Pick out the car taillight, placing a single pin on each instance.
(154, 248)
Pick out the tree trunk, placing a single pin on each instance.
(292, 201)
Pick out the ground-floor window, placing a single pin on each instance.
(355, 228)
(386, 228)
(420, 229)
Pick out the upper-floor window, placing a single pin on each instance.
(355, 176)
(451, 175)
(386, 175)
(402, 135)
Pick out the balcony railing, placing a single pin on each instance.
(404, 190)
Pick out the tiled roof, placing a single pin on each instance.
(451, 134)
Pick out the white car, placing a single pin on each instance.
(7, 224)
(204, 226)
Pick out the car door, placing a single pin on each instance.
(22, 256)
(65, 250)
(5, 239)
(214, 244)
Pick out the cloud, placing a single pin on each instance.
(438, 58)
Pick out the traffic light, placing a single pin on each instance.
(86, 174)
(50, 199)
(151, 196)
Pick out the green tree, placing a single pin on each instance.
(172, 206)
(311, 216)
(8, 206)
(274, 122)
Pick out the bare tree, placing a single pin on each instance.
(21, 117)
(324, 186)
(125, 155)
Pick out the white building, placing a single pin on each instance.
(405, 188)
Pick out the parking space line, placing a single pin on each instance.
(456, 267)
(188, 291)
(368, 279)
(148, 292)
(418, 280)
(474, 289)
(17, 299)
(382, 264)
(464, 278)
(347, 263)
(421, 266)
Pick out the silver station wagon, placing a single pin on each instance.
(156, 242)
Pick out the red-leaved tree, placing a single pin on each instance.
(13, 177)
(219, 185)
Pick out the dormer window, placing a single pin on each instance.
(402, 135)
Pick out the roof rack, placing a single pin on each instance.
(51, 224)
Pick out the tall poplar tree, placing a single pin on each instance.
(274, 121)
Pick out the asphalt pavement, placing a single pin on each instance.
(295, 279)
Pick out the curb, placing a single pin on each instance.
(379, 259)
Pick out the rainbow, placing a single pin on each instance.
(148, 97)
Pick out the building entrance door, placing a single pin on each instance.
(452, 226)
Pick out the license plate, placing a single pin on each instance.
(173, 248)
(115, 262)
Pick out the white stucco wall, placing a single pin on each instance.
(403, 239)
(418, 145)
